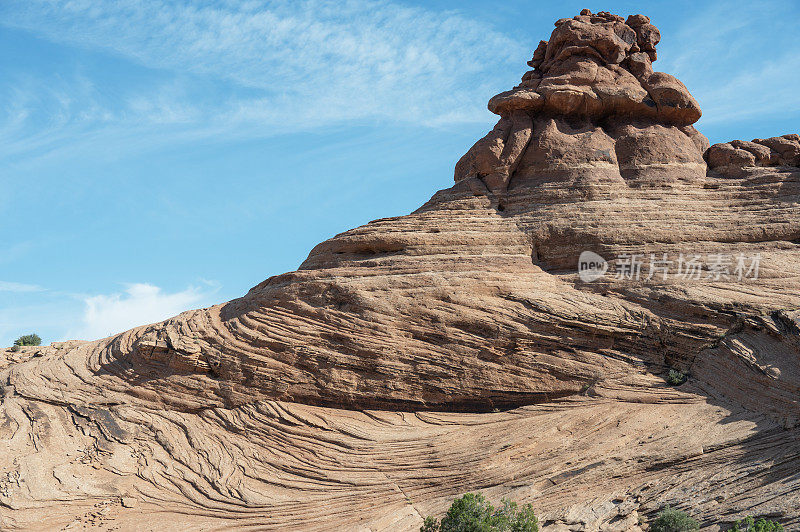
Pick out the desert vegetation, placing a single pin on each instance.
(27, 339)
(750, 524)
(676, 378)
(672, 520)
(473, 513)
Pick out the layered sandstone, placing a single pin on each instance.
(454, 349)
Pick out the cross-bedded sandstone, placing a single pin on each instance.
(456, 348)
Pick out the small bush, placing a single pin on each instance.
(671, 520)
(473, 513)
(748, 524)
(676, 378)
(430, 525)
(28, 339)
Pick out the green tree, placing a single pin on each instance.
(28, 339)
(671, 520)
(473, 513)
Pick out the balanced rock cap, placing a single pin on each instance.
(600, 65)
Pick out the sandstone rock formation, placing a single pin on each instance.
(732, 157)
(457, 348)
(592, 109)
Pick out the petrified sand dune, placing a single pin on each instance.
(457, 348)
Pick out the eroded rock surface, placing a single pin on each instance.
(593, 105)
(735, 156)
(457, 349)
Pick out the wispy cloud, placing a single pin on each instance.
(312, 47)
(7, 286)
(263, 67)
(767, 90)
(733, 69)
(140, 304)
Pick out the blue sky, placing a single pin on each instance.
(157, 156)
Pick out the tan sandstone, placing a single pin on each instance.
(456, 349)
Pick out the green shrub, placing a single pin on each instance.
(671, 520)
(28, 339)
(473, 513)
(430, 525)
(676, 378)
(748, 524)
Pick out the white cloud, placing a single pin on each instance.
(728, 64)
(768, 89)
(6, 286)
(140, 304)
(309, 46)
(251, 68)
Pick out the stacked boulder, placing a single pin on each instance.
(732, 158)
(592, 108)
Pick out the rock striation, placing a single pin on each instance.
(458, 348)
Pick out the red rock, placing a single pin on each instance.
(733, 158)
(597, 68)
(364, 390)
